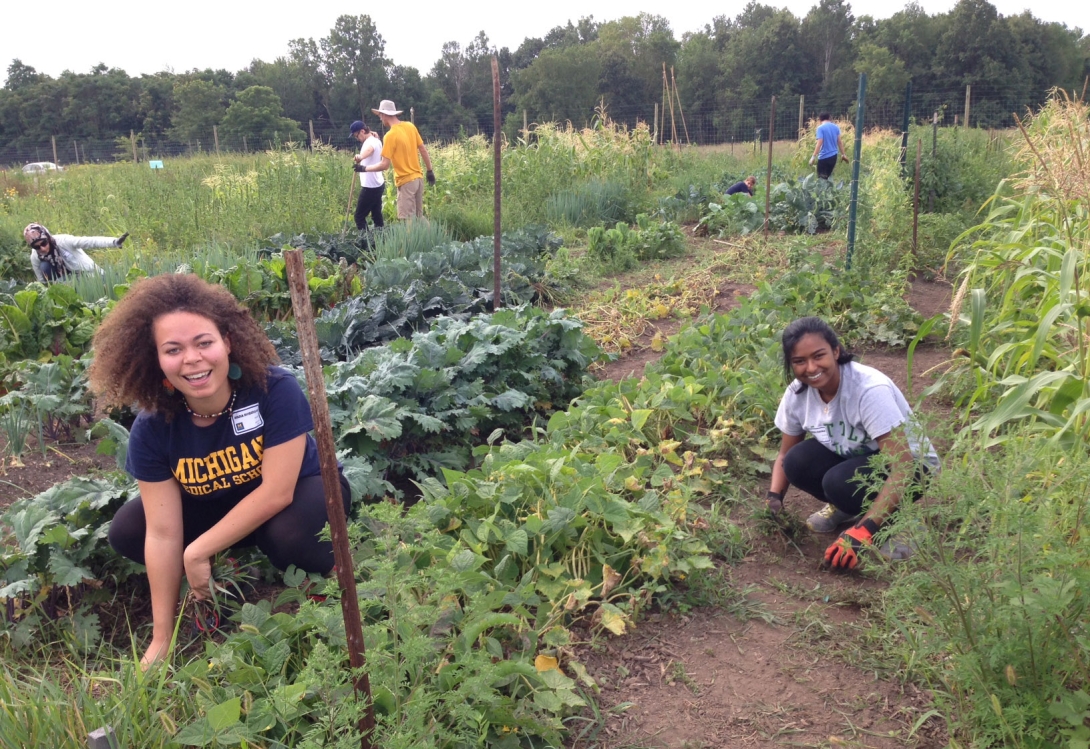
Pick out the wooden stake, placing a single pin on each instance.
(968, 89)
(76, 149)
(244, 146)
(497, 134)
(802, 99)
(327, 458)
(768, 179)
(54, 139)
(525, 127)
(670, 98)
(216, 137)
(311, 123)
(655, 127)
(132, 139)
(679, 109)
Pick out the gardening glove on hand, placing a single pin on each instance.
(844, 553)
(120, 240)
(430, 176)
(774, 502)
(812, 160)
(358, 167)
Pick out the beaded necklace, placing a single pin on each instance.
(230, 406)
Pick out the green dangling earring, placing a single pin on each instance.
(234, 371)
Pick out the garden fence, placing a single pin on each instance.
(740, 124)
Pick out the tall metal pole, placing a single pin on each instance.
(934, 151)
(904, 129)
(497, 134)
(802, 101)
(327, 459)
(853, 205)
(768, 179)
(916, 199)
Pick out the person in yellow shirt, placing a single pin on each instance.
(402, 148)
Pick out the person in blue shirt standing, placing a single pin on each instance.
(829, 146)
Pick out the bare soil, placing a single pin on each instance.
(31, 473)
(786, 664)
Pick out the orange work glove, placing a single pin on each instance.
(844, 552)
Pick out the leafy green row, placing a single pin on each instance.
(420, 405)
(402, 295)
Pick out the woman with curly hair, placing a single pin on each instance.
(220, 449)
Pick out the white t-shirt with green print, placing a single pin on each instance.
(867, 405)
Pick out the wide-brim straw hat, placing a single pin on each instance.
(387, 107)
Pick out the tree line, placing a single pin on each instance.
(724, 75)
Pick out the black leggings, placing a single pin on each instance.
(369, 203)
(844, 482)
(289, 537)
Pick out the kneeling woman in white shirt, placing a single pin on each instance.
(852, 412)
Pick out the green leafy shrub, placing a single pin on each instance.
(738, 214)
(807, 205)
(620, 248)
(54, 394)
(42, 321)
(991, 611)
(402, 295)
(57, 552)
(417, 406)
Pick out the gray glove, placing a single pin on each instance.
(120, 240)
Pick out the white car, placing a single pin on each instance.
(40, 167)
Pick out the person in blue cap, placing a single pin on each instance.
(372, 183)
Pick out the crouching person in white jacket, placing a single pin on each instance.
(55, 256)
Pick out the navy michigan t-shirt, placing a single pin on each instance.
(223, 461)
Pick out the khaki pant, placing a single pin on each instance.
(410, 199)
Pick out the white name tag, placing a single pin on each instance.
(247, 419)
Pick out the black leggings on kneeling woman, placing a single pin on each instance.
(289, 537)
(844, 482)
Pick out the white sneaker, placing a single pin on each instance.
(897, 549)
(828, 519)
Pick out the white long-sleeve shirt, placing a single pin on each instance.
(70, 250)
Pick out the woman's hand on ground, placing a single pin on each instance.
(198, 571)
(844, 552)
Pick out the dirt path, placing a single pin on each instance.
(783, 664)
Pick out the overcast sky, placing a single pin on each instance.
(148, 36)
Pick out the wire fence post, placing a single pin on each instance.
(854, 203)
(53, 138)
(934, 151)
(497, 135)
(802, 101)
(904, 129)
(768, 179)
(216, 138)
(916, 198)
(968, 91)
